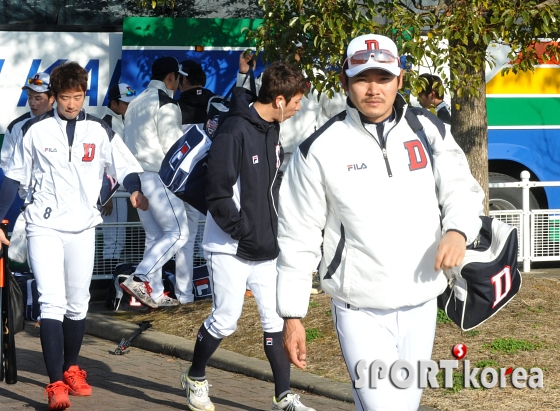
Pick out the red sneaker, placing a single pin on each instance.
(58, 395)
(75, 378)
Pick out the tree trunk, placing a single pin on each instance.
(470, 130)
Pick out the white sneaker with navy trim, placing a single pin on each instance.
(290, 402)
(197, 393)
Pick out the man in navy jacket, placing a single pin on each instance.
(240, 246)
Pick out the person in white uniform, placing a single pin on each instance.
(366, 188)
(62, 157)
(40, 99)
(115, 210)
(152, 125)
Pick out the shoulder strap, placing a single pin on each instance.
(217, 98)
(251, 76)
(416, 126)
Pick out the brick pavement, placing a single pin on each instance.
(140, 380)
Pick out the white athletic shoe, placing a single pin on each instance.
(141, 290)
(197, 393)
(166, 301)
(290, 402)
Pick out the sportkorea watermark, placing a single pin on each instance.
(403, 374)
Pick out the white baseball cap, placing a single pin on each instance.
(121, 92)
(372, 51)
(40, 83)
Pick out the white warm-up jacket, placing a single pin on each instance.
(152, 125)
(11, 138)
(377, 214)
(64, 181)
(115, 121)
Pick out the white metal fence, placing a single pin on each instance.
(539, 230)
(132, 236)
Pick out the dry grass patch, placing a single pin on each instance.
(523, 334)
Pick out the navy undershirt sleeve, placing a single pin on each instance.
(8, 193)
(458, 231)
(132, 183)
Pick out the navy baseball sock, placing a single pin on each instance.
(278, 362)
(73, 336)
(52, 342)
(204, 347)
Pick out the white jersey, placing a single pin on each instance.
(64, 181)
(379, 212)
(11, 139)
(152, 125)
(115, 121)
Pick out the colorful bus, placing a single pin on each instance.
(523, 130)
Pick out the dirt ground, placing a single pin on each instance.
(523, 334)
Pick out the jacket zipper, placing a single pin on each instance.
(389, 172)
(271, 200)
(383, 150)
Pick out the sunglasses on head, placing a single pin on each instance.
(129, 93)
(380, 56)
(37, 82)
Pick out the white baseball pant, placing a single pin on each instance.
(166, 226)
(62, 263)
(184, 259)
(230, 277)
(114, 237)
(389, 335)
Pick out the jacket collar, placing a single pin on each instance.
(160, 85)
(241, 106)
(115, 115)
(81, 116)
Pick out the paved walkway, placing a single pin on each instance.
(140, 380)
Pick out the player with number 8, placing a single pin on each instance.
(62, 156)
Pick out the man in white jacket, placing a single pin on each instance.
(115, 210)
(152, 125)
(60, 158)
(369, 188)
(41, 100)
